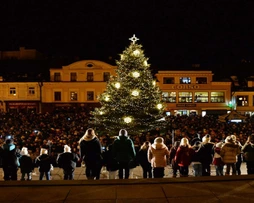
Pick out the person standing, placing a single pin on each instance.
(91, 154)
(229, 152)
(207, 152)
(26, 164)
(184, 156)
(217, 160)
(44, 163)
(10, 158)
(248, 151)
(196, 159)
(142, 159)
(67, 161)
(158, 154)
(172, 154)
(124, 152)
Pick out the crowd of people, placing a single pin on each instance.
(65, 139)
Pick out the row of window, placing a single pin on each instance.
(199, 97)
(184, 80)
(74, 76)
(31, 91)
(74, 96)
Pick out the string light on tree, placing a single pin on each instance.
(159, 106)
(145, 63)
(107, 98)
(136, 53)
(127, 119)
(117, 85)
(135, 93)
(135, 74)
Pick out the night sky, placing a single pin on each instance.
(174, 33)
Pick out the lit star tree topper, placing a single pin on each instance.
(132, 100)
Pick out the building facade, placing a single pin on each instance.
(21, 54)
(194, 92)
(77, 84)
(20, 96)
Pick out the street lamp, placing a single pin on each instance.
(40, 83)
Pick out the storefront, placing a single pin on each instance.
(23, 107)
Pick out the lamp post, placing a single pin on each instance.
(40, 83)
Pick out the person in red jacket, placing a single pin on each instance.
(183, 157)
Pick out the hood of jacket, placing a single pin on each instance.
(88, 138)
(158, 146)
(8, 147)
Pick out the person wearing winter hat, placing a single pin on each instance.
(184, 156)
(91, 154)
(26, 164)
(44, 163)
(217, 160)
(229, 152)
(67, 161)
(10, 158)
(123, 151)
(158, 155)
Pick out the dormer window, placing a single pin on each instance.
(89, 65)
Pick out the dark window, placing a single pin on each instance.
(90, 77)
(170, 80)
(201, 80)
(73, 77)
(90, 96)
(57, 77)
(57, 96)
(106, 76)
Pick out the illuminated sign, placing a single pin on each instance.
(185, 87)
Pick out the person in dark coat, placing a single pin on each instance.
(248, 151)
(196, 159)
(44, 163)
(91, 154)
(172, 153)
(207, 150)
(124, 152)
(26, 164)
(67, 161)
(111, 163)
(10, 159)
(142, 159)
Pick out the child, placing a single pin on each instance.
(217, 160)
(26, 164)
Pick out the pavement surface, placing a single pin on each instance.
(191, 189)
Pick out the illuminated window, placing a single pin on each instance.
(73, 96)
(73, 77)
(90, 96)
(57, 96)
(242, 100)
(217, 97)
(201, 97)
(57, 77)
(185, 80)
(201, 80)
(90, 76)
(13, 91)
(185, 97)
(31, 90)
(169, 80)
(169, 97)
(106, 76)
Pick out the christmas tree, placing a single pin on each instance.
(132, 99)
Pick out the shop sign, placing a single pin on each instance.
(185, 87)
(185, 105)
(21, 104)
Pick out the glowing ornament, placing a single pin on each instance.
(145, 63)
(135, 93)
(127, 119)
(154, 83)
(159, 106)
(117, 85)
(135, 74)
(122, 57)
(106, 98)
(101, 112)
(136, 52)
